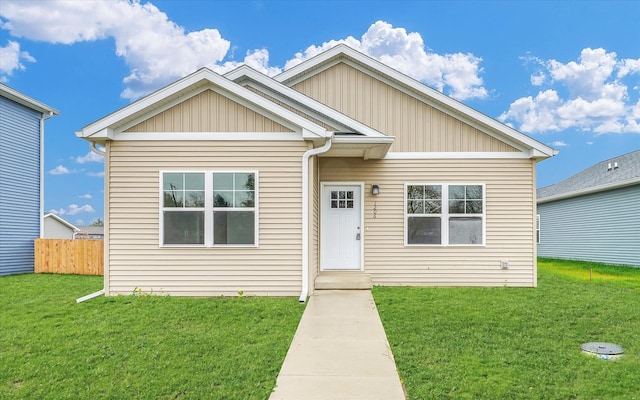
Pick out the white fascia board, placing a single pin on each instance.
(454, 155)
(20, 98)
(459, 109)
(146, 103)
(210, 136)
(286, 95)
(594, 189)
(364, 139)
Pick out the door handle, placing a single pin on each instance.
(358, 234)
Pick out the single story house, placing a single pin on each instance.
(594, 215)
(90, 232)
(56, 227)
(22, 120)
(243, 183)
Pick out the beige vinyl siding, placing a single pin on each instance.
(137, 261)
(416, 126)
(208, 112)
(510, 221)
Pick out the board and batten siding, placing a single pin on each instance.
(19, 186)
(417, 127)
(208, 112)
(510, 221)
(134, 257)
(601, 227)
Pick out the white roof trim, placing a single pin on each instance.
(62, 221)
(247, 72)
(590, 190)
(99, 130)
(26, 101)
(451, 106)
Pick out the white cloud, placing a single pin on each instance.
(89, 157)
(11, 59)
(59, 170)
(597, 98)
(97, 174)
(589, 143)
(85, 196)
(455, 74)
(538, 79)
(73, 209)
(158, 51)
(559, 143)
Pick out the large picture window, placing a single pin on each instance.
(208, 208)
(440, 214)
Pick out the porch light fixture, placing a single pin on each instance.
(375, 190)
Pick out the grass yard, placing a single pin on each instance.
(137, 347)
(518, 343)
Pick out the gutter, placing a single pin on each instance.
(305, 214)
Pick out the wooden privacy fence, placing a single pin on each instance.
(67, 256)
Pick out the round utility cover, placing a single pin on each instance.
(605, 351)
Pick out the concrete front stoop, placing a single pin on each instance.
(343, 280)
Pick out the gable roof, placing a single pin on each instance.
(109, 126)
(12, 94)
(356, 137)
(245, 74)
(62, 221)
(609, 174)
(434, 98)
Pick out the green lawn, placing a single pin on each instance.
(518, 343)
(145, 347)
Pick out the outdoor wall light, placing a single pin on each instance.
(375, 190)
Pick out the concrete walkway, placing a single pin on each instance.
(340, 351)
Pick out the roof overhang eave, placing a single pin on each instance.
(366, 147)
(591, 190)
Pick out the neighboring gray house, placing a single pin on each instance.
(58, 228)
(21, 153)
(594, 215)
(90, 232)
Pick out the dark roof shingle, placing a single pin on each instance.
(606, 173)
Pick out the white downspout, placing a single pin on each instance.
(99, 292)
(95, 149)
(43, 118)
(305, 214)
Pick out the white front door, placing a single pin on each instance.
(341, 227)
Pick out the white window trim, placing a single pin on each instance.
(538, 229)
(444, 215)
(208, 208)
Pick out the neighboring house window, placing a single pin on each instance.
(440, 214)
(208, 208)
(538, 228)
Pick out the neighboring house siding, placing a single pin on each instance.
(208, 112)
(416, 126)
(601, 227)
(19, 186)
(510, 221)
(55, 230)
(134, 256)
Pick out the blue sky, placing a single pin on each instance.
(567, 73)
